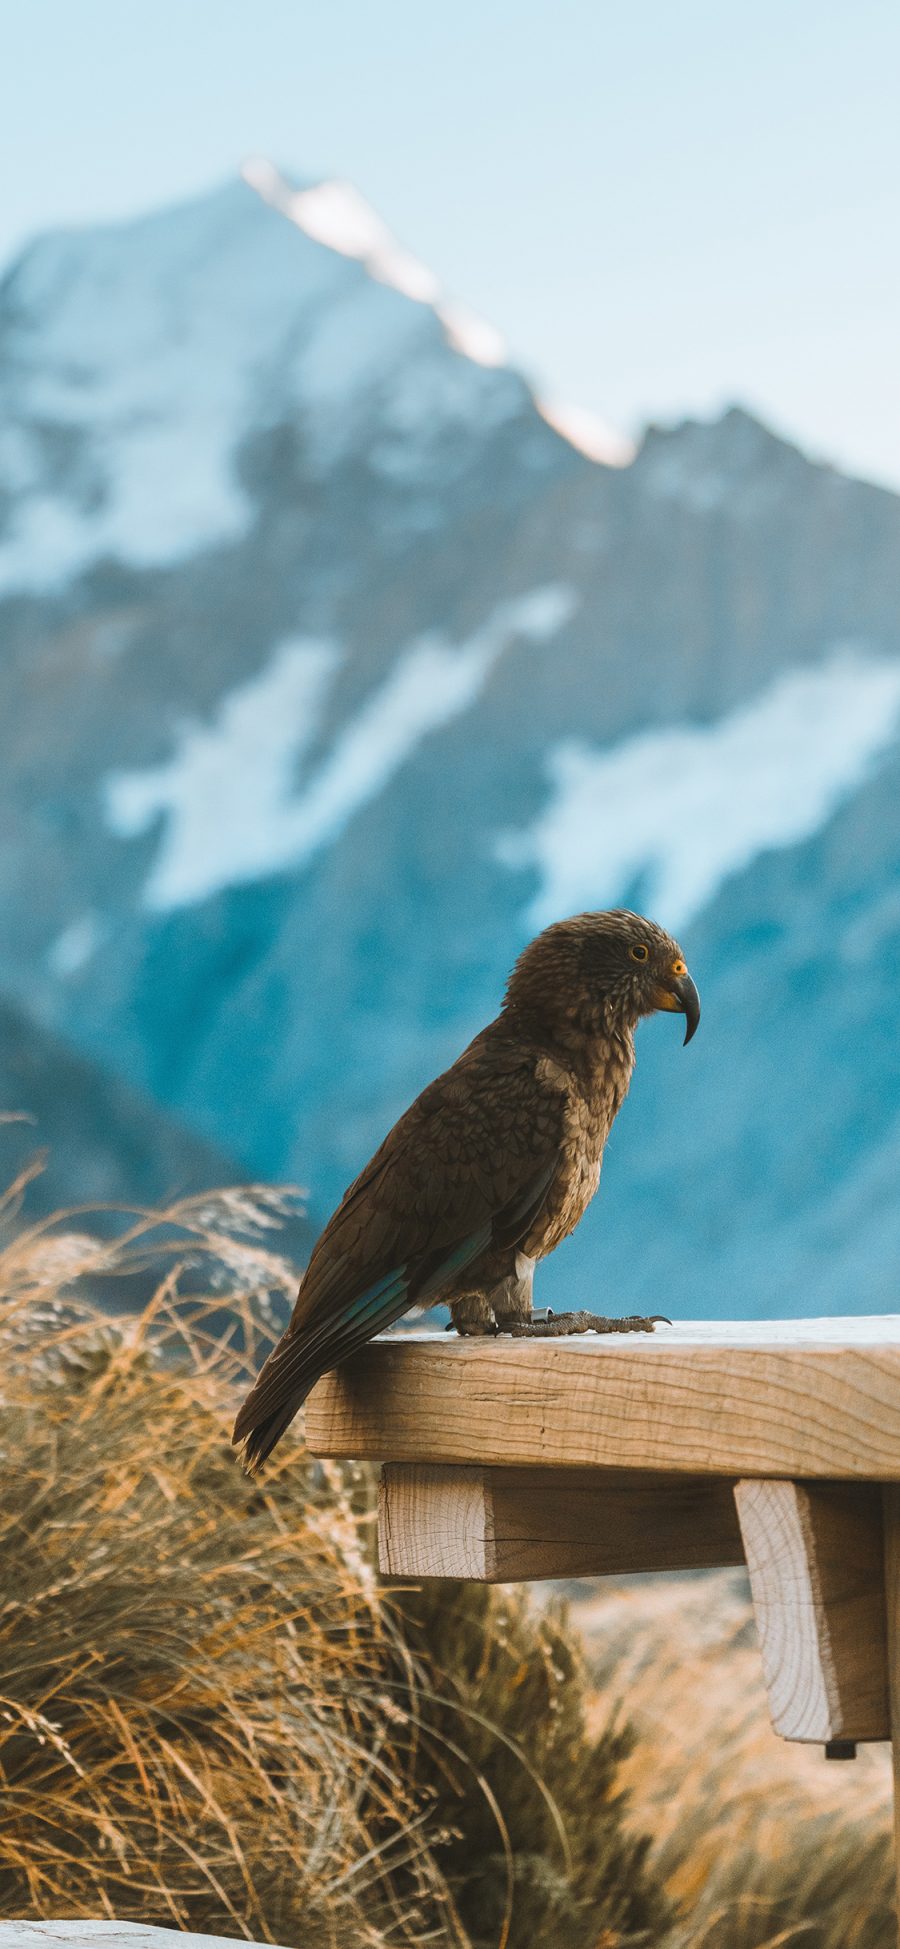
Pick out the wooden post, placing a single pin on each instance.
(814, 1553)
(891, 1505)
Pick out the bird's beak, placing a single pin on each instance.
(680, 997)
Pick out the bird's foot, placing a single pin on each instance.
(557, 1324)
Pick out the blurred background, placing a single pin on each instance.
(449, 474)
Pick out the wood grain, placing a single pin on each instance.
(815, 1556)
(891, 1520)
(798, 1399)
(512, 1525)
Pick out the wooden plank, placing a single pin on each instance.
(815, 1556)
(798, 1399)
(891, 1519)
(515, 1525)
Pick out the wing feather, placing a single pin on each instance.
(468, 1167)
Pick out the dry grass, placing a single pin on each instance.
(210, 1714)
(760, 1842)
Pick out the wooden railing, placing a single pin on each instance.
(776, 1444)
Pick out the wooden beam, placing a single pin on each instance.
(511, 1525)
(815, 1556)
(891, 1519)
(797, 1399)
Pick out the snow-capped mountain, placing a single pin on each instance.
(334, 665)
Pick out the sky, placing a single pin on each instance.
(664, 208)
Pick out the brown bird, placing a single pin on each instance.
(489, 1169)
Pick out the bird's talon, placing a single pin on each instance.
(635, 1323)
(557, 1325)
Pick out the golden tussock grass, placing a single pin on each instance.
(211, 1716)
(763, 1844)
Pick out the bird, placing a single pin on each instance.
(490, 1168)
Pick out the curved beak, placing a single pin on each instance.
(680, 997)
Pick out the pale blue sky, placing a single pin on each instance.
(664, 206)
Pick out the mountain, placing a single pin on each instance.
(332, 668)
(102, 1142)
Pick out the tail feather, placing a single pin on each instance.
(329, 1334)
(260, 1440)
(302, 1357)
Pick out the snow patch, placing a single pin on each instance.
(149, 342)
(588, 432)
(431, 683)
(223, 792)
(155, 348)
(149, 352)
(75, 946)
(471, 335)
(680, 810)
(335, 214)
(352, 349)
(229, 795)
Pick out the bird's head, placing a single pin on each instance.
(600, 973)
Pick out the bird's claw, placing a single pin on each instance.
(558, 1324)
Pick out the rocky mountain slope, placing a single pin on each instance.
(98, 1141)
(331, 669)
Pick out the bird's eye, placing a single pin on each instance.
(639, 952)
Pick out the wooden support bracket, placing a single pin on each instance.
(505, 1525)
(816, 1561)
(891, 1518)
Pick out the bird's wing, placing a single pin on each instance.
(468, 1167)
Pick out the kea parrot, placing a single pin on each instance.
(489, 1169)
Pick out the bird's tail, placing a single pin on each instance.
(332, 1331)
(303, 1354)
